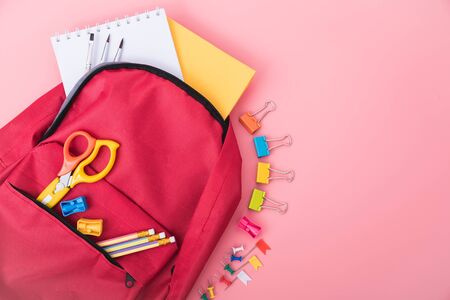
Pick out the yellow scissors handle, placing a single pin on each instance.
(80, 176)
(49, 197)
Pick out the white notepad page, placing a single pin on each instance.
(147, 40)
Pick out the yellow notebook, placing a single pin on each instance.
(213, 73)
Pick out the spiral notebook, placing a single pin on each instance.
(147, 40)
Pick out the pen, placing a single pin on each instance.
(135, 242)
(89, 54)
(103, 58)
(127, 237)
(119, 51)
(142, 247)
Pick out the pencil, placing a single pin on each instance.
(105, 47)
(119, 51)
(127, 237)
(89, 54)
(135, 242)
(142, 247)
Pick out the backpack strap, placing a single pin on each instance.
(21, 134)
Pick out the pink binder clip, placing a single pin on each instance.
(246, 225)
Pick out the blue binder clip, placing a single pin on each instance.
(73, 206)
(262, 144)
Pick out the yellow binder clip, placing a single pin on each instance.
(249, 121)
(264, 170)
(90, 226)
(259, 197)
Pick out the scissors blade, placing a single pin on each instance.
(64, 181)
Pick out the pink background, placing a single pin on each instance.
(363, 87)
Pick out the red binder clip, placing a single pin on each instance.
(249, 121)
(246, 225)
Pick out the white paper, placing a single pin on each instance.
(147, 40)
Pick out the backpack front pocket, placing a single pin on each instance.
(44, 251)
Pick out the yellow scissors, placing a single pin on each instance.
(72, 171)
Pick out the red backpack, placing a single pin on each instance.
(178, 170)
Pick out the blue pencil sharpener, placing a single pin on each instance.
(73, 206)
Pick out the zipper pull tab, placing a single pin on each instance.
(129, 281)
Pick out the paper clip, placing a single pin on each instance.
(250, 227)
(259, 197)
(262, 144)
(263, 174)
(237, 249)
(249, 121)
(90, 226)
(73, 206)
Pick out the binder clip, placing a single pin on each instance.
(263, 174)
(73, 206)
(262, 144)
(246, 225)
(237, 249)
(249, 121)
(259, 197)
(90, 226)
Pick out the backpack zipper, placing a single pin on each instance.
(129, 280)
(70, 99)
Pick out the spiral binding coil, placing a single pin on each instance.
(117, 22)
